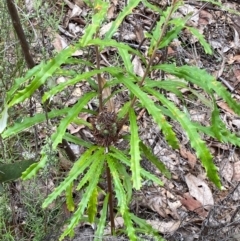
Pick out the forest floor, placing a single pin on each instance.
(188, 207)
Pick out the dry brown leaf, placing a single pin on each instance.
(226, 170)
(236, 172)
(225, 107)
(80, 3)
(110, 12)
(137, 67)
(59, 43)
(193, 205)
(199, 190)
(189, 156)
(236, 58)
(165, 227)
(106, 92)
(105, 28)
(205, 18)
(76, 11)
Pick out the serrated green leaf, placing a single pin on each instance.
(118, 187)
(114, 43)
(134, 150)
(69, 197)
(97, 156)
(100, 8)
(155, 161)
(31, 121)
(204, 80)
(130, 230)
(84, 201)
(101, 225)
(92, 206)
(201, 39)
(126, 59)
(152, 109)
(33, 169)
(19, 81)
(126, 11)
(42, 75)
(79, 166)
(170, 36)
(119, 155)
(126, 179)
(73, 112)
(196, 142)
(146, 228)
(76, 79)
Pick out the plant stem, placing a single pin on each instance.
(30, 62)
(99, 80)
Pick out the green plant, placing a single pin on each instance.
(102, 156)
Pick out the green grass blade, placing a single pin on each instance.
(84, 201)
(42, 75)
(126, 11)
(101, 225)
(79, 166)
(134, 151)
(118, 187)
(196, 142)
(92, 206)
(154, 160)
(73, 112)
(153, 111)
(31, 121)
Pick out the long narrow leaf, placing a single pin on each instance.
(84, 201)
(100, 8)
(126, 11)
(31, 121)
(118, 187)
(153, 110)
(42, 75)
(134, 150)
(195, 140)
(204, 80)
(101, 225)
(120, 156)
(73, 112)
(92, 206)
(79, 166)
(152, 158)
